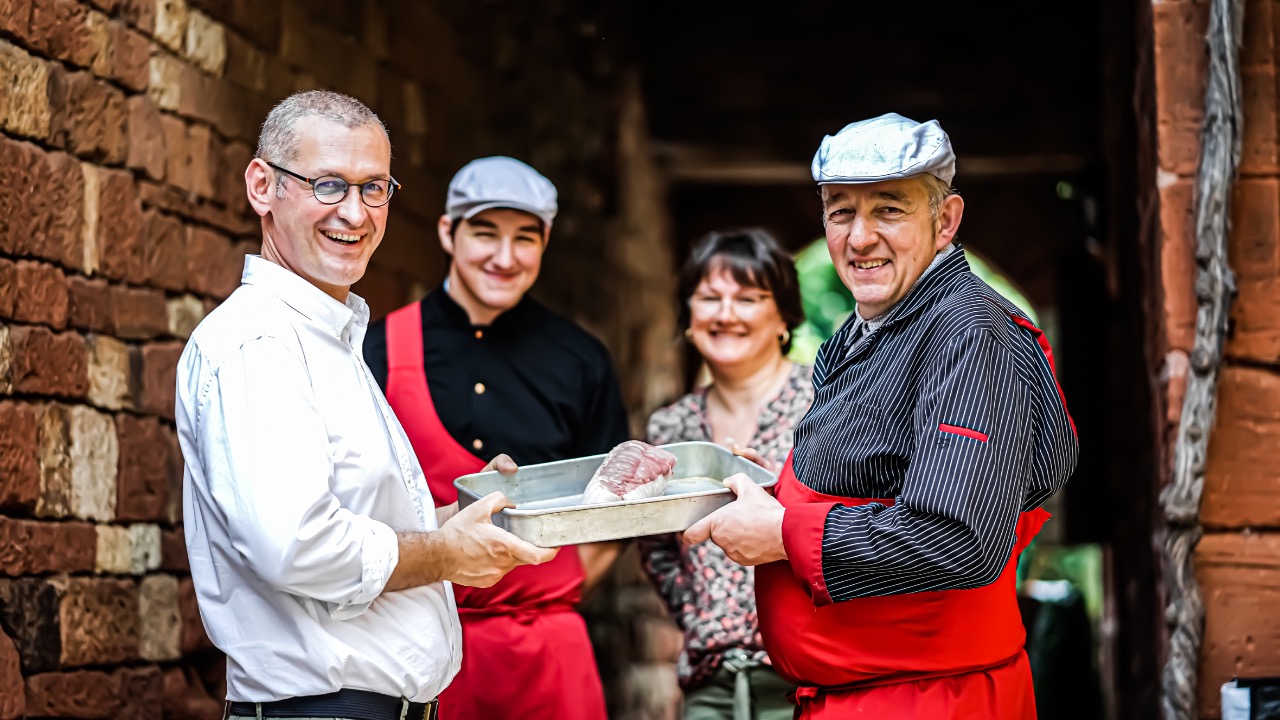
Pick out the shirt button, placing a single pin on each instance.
(479, 388)
(478, 444)
(479, 334)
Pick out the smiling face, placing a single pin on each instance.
(882, 236)
(497, 255)
(733, 324)
(328, 245)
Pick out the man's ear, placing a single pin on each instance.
(259, 185)
(949, 216)
(444, 228)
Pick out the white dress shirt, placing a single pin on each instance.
(297, 477)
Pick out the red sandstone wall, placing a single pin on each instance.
(1238, 562)
(125, 126)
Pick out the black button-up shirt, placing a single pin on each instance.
(532, 385)
(950, 407)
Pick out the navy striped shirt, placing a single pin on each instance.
(950, 407)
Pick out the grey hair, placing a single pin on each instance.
(278, 142)
(937, 191)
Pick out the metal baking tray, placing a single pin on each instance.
(548, 497)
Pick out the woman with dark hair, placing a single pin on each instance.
(742, 300)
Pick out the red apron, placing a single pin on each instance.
(944, 654)
(525, 649)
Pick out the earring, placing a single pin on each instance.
(785, 337)
(688, 333)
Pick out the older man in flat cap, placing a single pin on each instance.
(886, 578)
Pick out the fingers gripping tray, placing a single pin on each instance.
(548, 497)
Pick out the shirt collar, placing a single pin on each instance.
(946, 265)
(345, 321)
(457, 316)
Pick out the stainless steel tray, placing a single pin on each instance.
(548, 496)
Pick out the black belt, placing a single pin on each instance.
(352, 704)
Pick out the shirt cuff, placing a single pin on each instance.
(802, 530)
(379, 554)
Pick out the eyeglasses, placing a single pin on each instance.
(331, 189)
(743, 305)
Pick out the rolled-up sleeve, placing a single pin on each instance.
(266, 462)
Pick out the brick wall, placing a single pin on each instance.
(125, 126)
(1238, 561)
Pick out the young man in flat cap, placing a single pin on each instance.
(478, 368)
(886, 578)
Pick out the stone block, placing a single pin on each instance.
(24, 106)
(6, 361)
(127, 57)
(88, 116)
(140, 313)
(67, 30)
(41, 294)
(45, 224)
(236, 157)
(13, 696)
(176, 470)
(185, 697)
(34, 547)
(206, 43)
(160, 623)
(113, 552)
(95, 457)
(142, 693)
(165, 82)
(194, 638)
(164, 250)
(110, 373)
(141, 14)
(131, 550)
(1178, 263)
(29, 613)
(49, 363)
(173, 551)
(171, 24)
(1239, 576)
(1256, 318)
(146, 138)
(121, 246)
(89, 305)
(206, 156)
(54, 439)
(89, 224)
(98, 618)
(178, 151)
(1242, 474)
(133, 692)
(245, 65)
(213, 264)
(185, 313)
(159, 376)
(1181, 67)
(143, 481)
(8, 287)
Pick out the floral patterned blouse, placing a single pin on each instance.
(711, 597)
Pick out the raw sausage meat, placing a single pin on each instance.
(631, 471)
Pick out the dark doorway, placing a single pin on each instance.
(1041, 112)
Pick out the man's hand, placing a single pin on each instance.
(754, 456)
(478, 554)
(501, 463)
(749, 529)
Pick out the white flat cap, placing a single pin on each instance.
(500, 182)
(884, 148)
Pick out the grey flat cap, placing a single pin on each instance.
(500, 182)
(884, 148)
